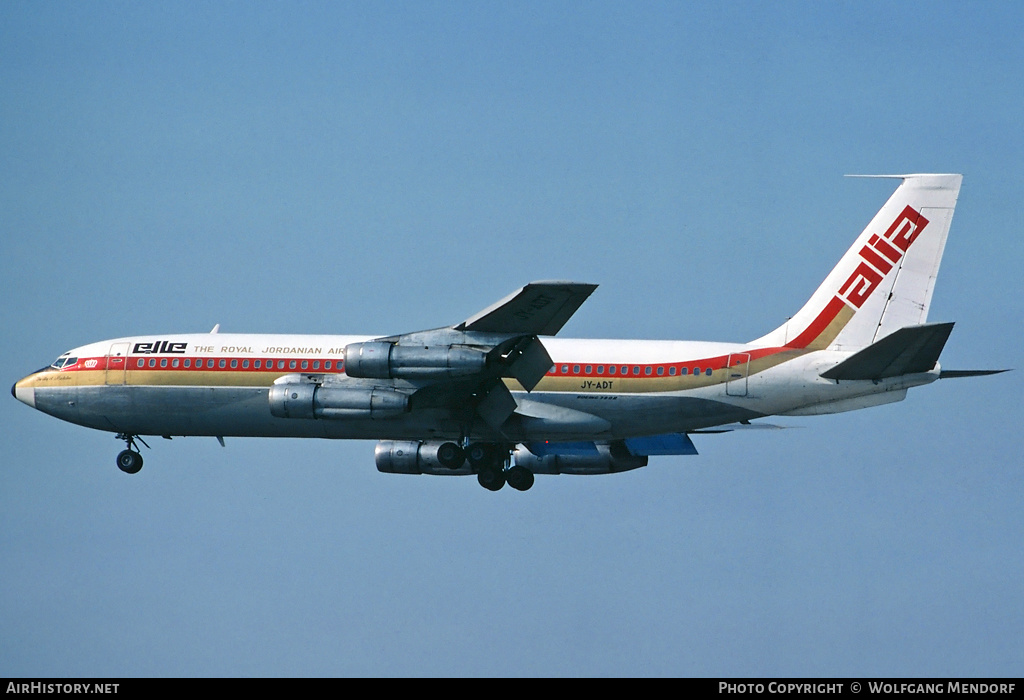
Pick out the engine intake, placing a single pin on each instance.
(380, 360)
(308, 400)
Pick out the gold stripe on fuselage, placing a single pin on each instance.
(142, 377)
(599, 384)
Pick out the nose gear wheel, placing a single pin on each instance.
(129, 460)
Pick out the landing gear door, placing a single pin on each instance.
(739, 367)
(117, 363)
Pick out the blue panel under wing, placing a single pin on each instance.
(545, 448)
(667, 444)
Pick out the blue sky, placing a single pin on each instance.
(387, 167)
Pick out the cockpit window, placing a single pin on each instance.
(64, 361)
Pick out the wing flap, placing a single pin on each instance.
(525, 359)
(540, 416)
(563, 449)
(667, 444)
(647, 446)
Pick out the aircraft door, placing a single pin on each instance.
(739, 367)
(117, 363)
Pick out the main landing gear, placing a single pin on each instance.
(490, 461)
(129, 460)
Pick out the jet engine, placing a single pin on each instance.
(608, 459)
(413, 457)
(309, 400)
(382, 360)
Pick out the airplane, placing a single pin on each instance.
(500, 396)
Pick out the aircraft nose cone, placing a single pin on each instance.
(25, 394)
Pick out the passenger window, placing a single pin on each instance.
(316, 364)
(305, 364)
(142, 363)
(188, 363)
(209, 364)
(708, 371)
(672, 371)
(163, 362)
(234, 364)
(152, 362)
(175, 362)
(245, 364)
(565, 369)
(647, 371)
(291, 365)
(661, 371)
(222, 364)
(280, 364)
(611, 369)
(327, 364)
(696, 371)
(590, 369)
(575, 369)
(684, 371)
(256, 364)
(636, 370)
(600, 369)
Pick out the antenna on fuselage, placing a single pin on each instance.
(216, 328)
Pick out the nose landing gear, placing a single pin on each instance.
(129, 460)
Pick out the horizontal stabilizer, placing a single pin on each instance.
(667, 444)
(907, 351)
(956, 373)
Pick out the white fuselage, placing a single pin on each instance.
(217, 384)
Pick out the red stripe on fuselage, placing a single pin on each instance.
(131, 364)
(623, 370)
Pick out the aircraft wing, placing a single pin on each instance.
(461, 367)
(645, 446)
(539, 308)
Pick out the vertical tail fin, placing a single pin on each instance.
(885, 281)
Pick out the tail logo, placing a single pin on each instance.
(880, 255)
